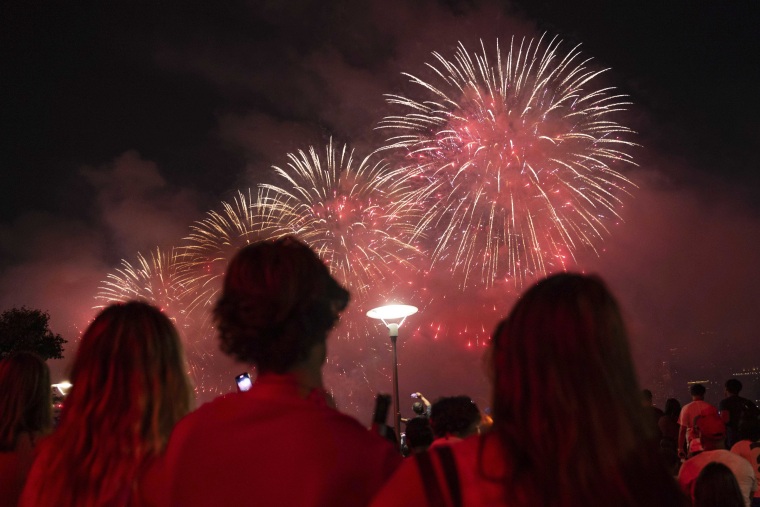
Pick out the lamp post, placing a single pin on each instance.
(62, 387)
(393, 313)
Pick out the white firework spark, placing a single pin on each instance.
(165, 280)
(214, 240)
(355, 214)
(519, 154)
(159, 280)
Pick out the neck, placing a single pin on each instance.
(308, 376)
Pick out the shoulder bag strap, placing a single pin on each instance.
(450, 472)
(429, 480)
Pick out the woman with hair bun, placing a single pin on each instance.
(129, 389)
(568, 429)
(25, 416)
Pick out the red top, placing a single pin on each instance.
(14, 467)
(270, 446)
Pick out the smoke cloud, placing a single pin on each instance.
(682, 261)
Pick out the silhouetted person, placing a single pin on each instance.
(281, 442)
(25, 417)
(129, 389)
(712, 434)
(668, 424)
(421, 406)
(652, 413)
(419, 434)
(671, 460)
(568, 429)
(731, 409)
(454, 418)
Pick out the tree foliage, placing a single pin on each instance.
(28, 330)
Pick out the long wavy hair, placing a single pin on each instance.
(26, 399)
(129, 389)
(567, 410)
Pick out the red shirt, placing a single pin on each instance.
(269, 446)
(14, 467)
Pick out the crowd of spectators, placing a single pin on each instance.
(698, 436)
(566, 428)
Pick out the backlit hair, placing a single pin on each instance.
(129, 389)
(278, 300)
(25, 398)
(566, 404)
(716, 486)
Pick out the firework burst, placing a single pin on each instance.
(214, 240)
(518, 154)
(165, 280)
(355, 215)
(160, 280)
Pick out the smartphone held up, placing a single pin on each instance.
(243, 381)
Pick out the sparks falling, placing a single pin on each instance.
(165, 281)
(158, 279)
(519, 155)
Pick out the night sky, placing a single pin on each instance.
(122, 125)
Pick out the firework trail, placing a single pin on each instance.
(165, 281)
(354, 214)
(518, 153)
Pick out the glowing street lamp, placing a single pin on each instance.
(389, 314)
(62, 387)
